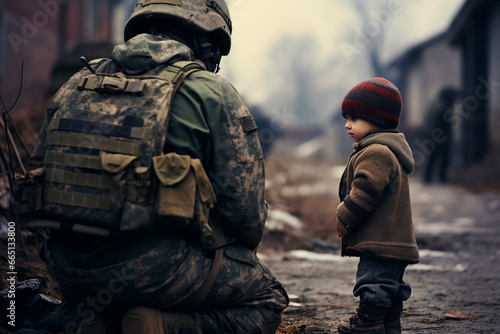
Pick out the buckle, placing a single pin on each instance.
(113, 85)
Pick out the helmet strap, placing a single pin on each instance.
(204, 50)
(217, 58)
(152, 30)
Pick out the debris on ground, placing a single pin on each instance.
(455, 315)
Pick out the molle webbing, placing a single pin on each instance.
(94, 142)
(79, 228)
(98, 176)
(73, 160)
(78, 125)
(77, 199)
(78, 179)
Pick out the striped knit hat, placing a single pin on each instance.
(375, 100)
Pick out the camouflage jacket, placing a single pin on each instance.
(206, 122)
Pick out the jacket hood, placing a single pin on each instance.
(145, 52)
(395, 141)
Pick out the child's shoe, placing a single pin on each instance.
(369, 319)
(392, 320)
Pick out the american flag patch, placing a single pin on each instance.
(248, 123)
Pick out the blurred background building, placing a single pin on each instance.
(50, 36)
(465, 56)
(475, 32)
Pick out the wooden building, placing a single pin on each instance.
(475, 32)
(466, 56)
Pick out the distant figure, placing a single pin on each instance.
(374, 216)
(265, 132)
(439, 157)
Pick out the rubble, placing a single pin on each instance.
(35, 312)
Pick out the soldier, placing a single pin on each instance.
(164, 281)
(438, 158)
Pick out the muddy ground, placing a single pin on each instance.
(455, 286)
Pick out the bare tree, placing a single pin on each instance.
(369, 38)
(294, 62)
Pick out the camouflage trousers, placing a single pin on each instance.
(245, 297)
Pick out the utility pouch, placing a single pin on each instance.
(185, 195)
(131, 187)
(27, 193)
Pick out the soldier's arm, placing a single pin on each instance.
(239, 172)
(222, 136)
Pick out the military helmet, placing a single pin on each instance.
(207, 17)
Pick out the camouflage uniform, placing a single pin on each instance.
(164, 270)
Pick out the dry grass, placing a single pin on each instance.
(27, 122)
(28, 263)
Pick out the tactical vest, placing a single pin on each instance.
(104, 171)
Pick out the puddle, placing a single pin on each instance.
(278, 219)
(318, 188)
(455, 226)
(434, 253)
(430, 267)
(425, 253)
(321, 257)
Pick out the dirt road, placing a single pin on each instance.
(455, 286)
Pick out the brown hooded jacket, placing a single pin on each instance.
(375, 198)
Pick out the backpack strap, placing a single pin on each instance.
(98, 62)
(177, 73)
(199, 297)
(180, 70)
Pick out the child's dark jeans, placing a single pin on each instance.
(380, 281)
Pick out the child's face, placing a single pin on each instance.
(358, 128)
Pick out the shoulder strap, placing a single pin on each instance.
(98, 62)
(177, 73)
(202, 293)
(180, 70)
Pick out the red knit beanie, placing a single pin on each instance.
(376, 100)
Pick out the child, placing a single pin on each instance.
(374, 216)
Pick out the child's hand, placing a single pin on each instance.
(341, 229)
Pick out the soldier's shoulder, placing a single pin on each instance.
(211, 86)
(210, 79)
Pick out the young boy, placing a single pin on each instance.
(374, 216)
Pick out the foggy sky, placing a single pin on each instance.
(331, 33)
